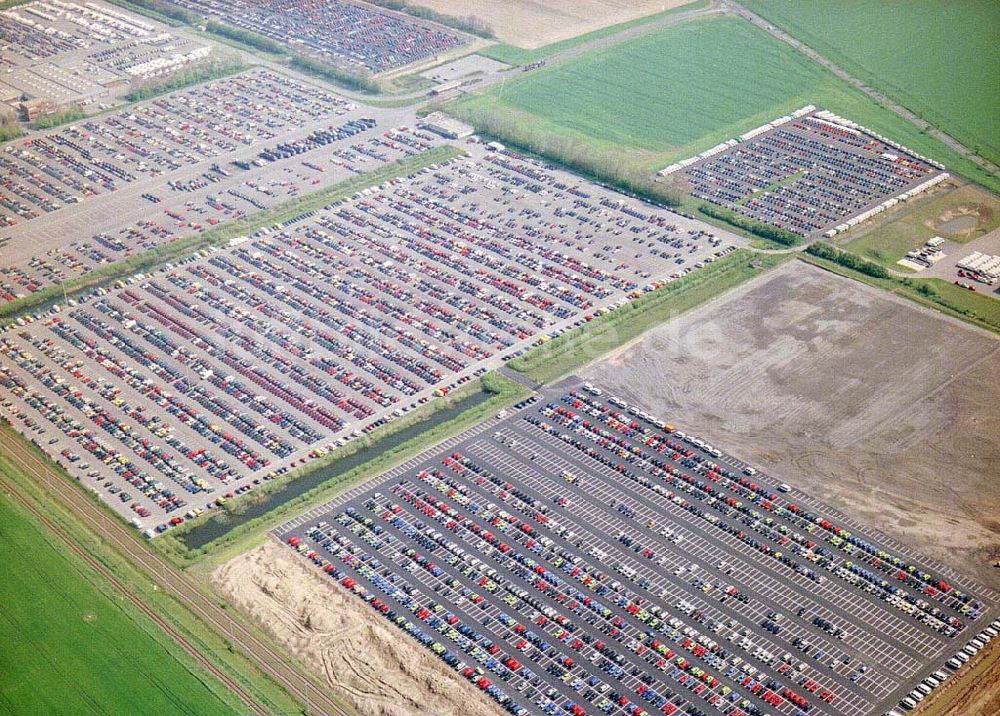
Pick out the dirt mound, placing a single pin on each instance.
(375, 667)
(960, 220)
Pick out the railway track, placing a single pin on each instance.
(169, 578)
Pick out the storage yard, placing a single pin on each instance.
(103, 189)
(579, 556)
(692, 78)
(886, 410)
(959, 213)
(278, 348)
(83, 54)
(337, 32)
(810, 172)
(431, 396)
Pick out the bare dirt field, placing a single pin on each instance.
(534, 23)
(877, 407)
(975, 693)
(375, 667)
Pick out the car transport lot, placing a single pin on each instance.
(103, 189)
(178, 389)
(884, 409)
(86, 55)
(337, 32)
(340, 640)
(580, 556)
(810, 174)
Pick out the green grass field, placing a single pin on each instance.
(939, 59)
(70, 647)
(887, 240)
(674, 92)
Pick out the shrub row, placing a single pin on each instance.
(847, 259)
(469, 23)
(757, 228)
(609, 166)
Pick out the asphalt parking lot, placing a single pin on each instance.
(103, 189)
(574, 528)
(809, 174)
(86, 54)
(339, 33)
(177, 390)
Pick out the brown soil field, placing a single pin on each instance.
(884, 410)
(534, 23)
(371, 664)
(976, 691)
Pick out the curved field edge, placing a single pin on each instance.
(174, 612)
(939, 59)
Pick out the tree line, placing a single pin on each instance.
(757, 228)
(847, 259)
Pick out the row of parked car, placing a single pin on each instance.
(504, 539)
(161, 135)
(953, 664)
(345, 34)
(836, 181)
(317, 138)
(924, 583)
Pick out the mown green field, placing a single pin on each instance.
(67, 647)
(939, 59)
(677, 91)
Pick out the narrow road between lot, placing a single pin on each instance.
(108, 527)
(899, 109)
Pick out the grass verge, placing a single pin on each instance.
(952, 300)
(757, 228)
(226, 656)
(503, 392)
(10, 128)
(149, 260)
(69, 113)
(172, 15)
(578, 347)
(703, 81)
(216, 68)
(887, 239)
